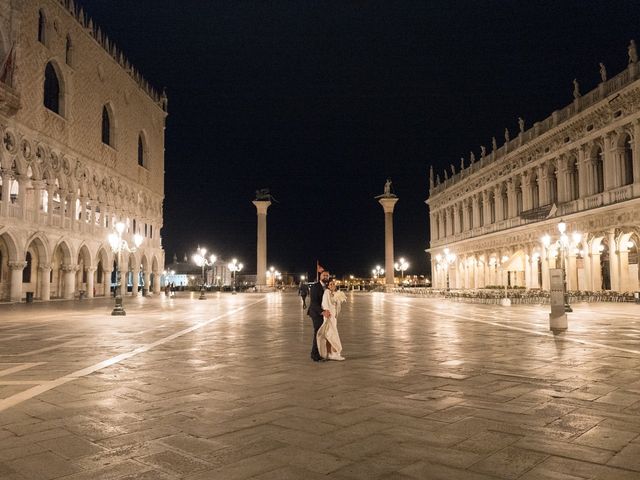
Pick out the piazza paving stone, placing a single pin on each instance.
(224, 389)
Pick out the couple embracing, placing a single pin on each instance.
(324, 308)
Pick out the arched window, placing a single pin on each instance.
(42, 28)
(574, 180)
(141, 153)
(492, 209)
(51, 89)
(518, 200)
(627, 173)
(553, 185)
(505, 204)
(599, 171)
(68, 51)
(106, 127)
(535, 192)
(26, 272)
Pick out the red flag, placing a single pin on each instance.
(6, 74)
(319, 268)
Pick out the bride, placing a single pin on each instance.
(328, 338)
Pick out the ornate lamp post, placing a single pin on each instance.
(377, 272)
(445, 261)
(119, 245)
(563, 244)
(401, 266)
(234, 267)
(202, 261)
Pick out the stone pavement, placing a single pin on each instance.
(225, 389)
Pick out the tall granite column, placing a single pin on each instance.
(261, 258)
(388, 203)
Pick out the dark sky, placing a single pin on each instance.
(321, 101)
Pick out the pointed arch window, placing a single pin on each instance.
(142, 160)
(107, 134)
(52, 89)
(68, 51)
(42, 27)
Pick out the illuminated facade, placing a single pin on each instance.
(580, 165)
(82, 147)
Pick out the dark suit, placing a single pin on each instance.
(315, 312)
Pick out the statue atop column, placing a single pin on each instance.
(603, 72)
(431, 176)
(387, 190)
(263, 195)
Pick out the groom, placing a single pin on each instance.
(316, 312)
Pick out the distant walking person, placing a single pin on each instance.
(316, 312)
(303, 291)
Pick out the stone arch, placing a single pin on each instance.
(62, 271)
(36, 257)
(85, 268)
(102, 274)
(8, 254)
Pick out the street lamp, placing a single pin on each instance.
(563, 244)
(119, 245)
(234, 267)
(377, 272)
(202, 261)
(445, 261)
(401, 266)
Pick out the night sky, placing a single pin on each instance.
(321, 101)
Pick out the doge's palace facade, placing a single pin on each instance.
(580, 165)
(81, 148)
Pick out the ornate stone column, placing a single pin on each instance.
(156, 282)
(261, 253)
(135, 280)
(526, 191)
(475, 208)
(544, 197)
(146, 277)
(22, 196)
(69, 280)
(614, 271)
(45, 281)
(497, 202)
(15, 291)
(106, 282)
(585, 173)
(563, 179)
(90, 281)
(456, 220)
(544, 255)
(5, 193)
(572, 271)
(388, 204)
(596, 272)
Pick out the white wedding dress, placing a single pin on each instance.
(329, 330)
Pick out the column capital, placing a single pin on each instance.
(69, 268)
(44, 267)
(17, 265)
(388, 203)
(261, 206)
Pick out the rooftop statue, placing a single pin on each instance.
(461, 163)
(494, 144)
(603, 72)
(633, 53)
(507, 137)
(521, 124)
(472, 158)
(576, 88)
